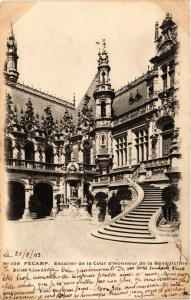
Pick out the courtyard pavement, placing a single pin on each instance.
(68, 240)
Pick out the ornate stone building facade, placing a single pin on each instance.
(56, 152)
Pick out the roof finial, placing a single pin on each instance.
(74, 98)
(11, 28)
(103, 45)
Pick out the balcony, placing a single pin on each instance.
(20, 164)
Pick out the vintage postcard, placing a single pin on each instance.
(94, 149)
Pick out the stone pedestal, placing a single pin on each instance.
(54, 212)
(28, 195)
(64, 211)
(83, 212)
(95, 212)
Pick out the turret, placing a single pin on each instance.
(10, 70)
(103, 96)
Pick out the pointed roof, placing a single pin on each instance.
(91, 101)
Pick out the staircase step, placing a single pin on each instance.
(127, 223)
(122, 240)
(137, 216)
(144, 213)
(125, 230)
(127, 236)
(130, 226)
(134, 222)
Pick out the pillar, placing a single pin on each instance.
(54, 208)
(28, 194)
(81, 190)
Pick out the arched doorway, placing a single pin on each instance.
(41, 202)
(16, 200)
(29, 151)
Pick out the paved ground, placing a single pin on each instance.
(71, 239)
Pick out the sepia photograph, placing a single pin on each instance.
(95, 182)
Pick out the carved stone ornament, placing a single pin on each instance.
(11, 115)
(72, 167)
(85, 118)
(66, 125)
(48, 123)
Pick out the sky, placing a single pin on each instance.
(57, 43)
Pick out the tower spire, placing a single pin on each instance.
(103, 81)
(10, 69)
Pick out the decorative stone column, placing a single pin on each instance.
(81, 191)
(28, 194)
(55, 208)
(83, 211)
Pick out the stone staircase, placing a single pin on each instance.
(133, 226)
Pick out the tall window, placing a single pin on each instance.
(86, 153)
(67, 154)
(49, 156)
(103, 109)
(172, 75)
(121, 150)
(103, 77)
(167, 134)
(141, 144)
(8, 148)
(164, 78)
(29, 151)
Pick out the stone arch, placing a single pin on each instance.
(41, 202)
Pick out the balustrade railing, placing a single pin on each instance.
(30, 164)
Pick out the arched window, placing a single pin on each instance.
(103, 109)
(29, 151)
(167, 133)
(49, 156)
(8, 148)
(86, 153)
(67, 154)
